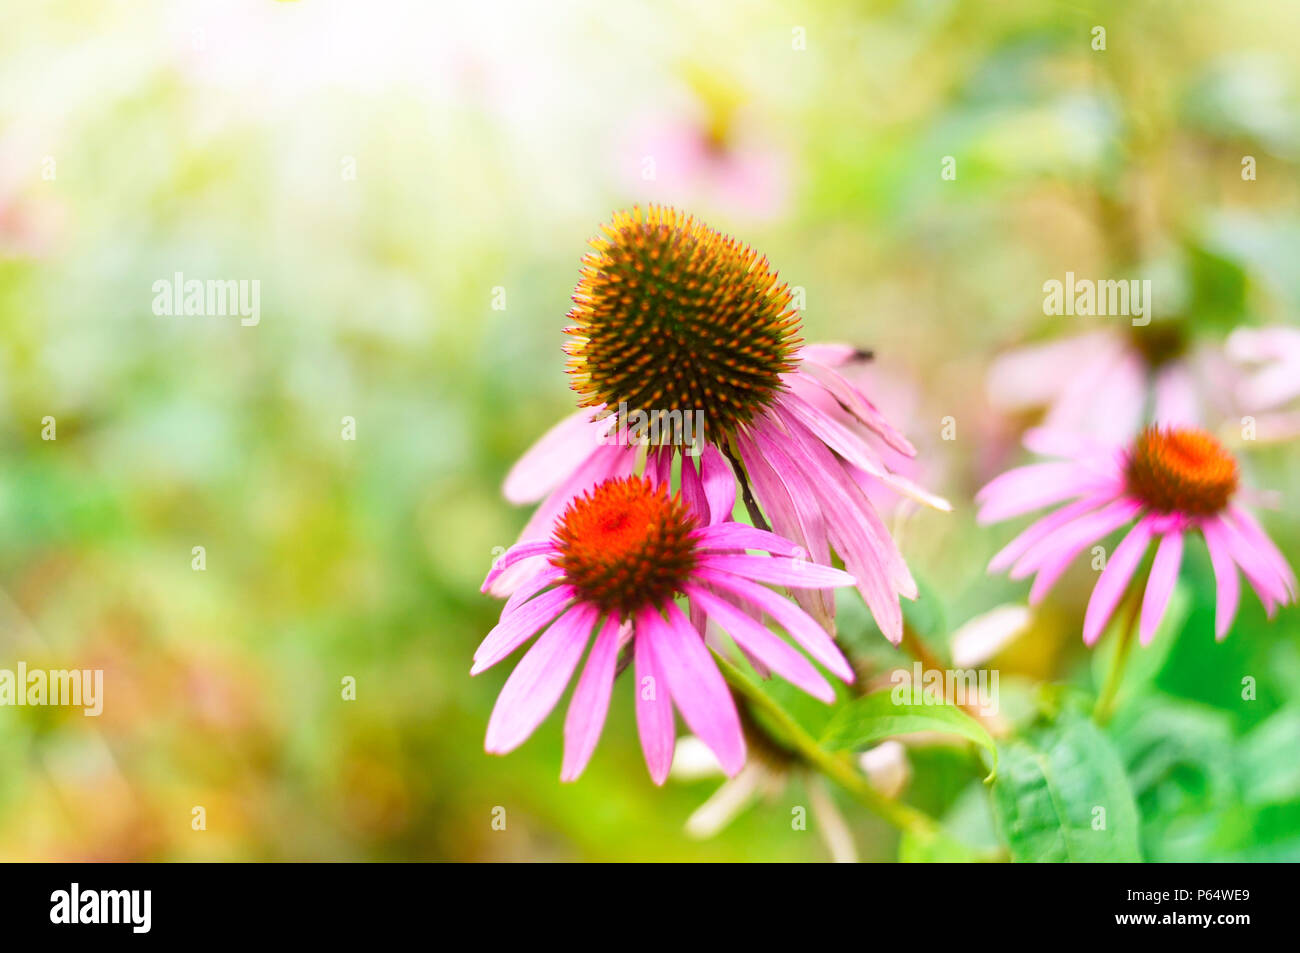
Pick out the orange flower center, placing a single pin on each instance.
(1181, 470)
(624, 545)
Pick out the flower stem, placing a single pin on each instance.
(839, 768)
(751, 506)
(1106, 699)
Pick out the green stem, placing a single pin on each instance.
(837, 765)
(1115, 675)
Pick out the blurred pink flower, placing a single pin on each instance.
(1270, 386)
(1100, 384)
(681, 162)
(1166, 484)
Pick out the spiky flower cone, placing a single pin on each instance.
(671, 315)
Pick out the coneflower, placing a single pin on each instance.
(672, 318)
(1166, 484)
(620, 556)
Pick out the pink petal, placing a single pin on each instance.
(1071, 446)
(1042, 529)
(517, 627)
(719, 484)
(659, 467)
(852, 525)
(795, 515)
(831, 354)
(697, 687)
(1032, 487)
(728, 536)
(854, 450)
(1070, 539)
(779, 570)
(1261, 573)
(755, 638)
(516, 554)
(1225, 577)
(1160, 584)
(798, 623)
(654, 708)
(590, 703)
(692, 491)
(547, 463)
(1114, 580)
(546, 576)
(856, 403)
(539, 680)
(1269, 553)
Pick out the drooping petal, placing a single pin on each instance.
(590, 703)
(697, 687)
(654, 707)
(779, 570)
(518, 626)
(852, 525)
(856, 403)
(1256, 566)
(539, 680)
(854, 450)
(1114, 580)
(1254, 534)
(1226, 580)
(1160, 584)
(549, 461)
(759, 641)
(801, 626)
(792, 510)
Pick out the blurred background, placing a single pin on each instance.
(413, 185)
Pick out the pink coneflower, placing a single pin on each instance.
(1166, 484)
(619, 556)
(674, 319)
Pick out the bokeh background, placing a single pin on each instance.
(392, 173)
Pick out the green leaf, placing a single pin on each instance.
(1062, 796)
(878, 716)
